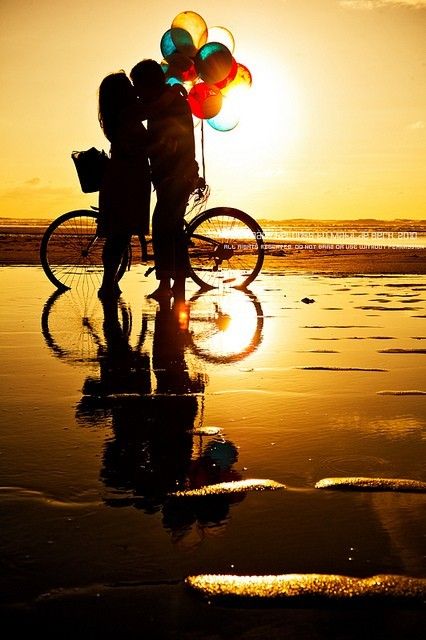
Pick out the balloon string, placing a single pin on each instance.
(203, 161)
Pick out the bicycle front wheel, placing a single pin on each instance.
(71, 251)
(225, 248)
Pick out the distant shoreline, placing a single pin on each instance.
(420, 224)
(19, 245)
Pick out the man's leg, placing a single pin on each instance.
(181, 242)
(168, 237)
(162, 245)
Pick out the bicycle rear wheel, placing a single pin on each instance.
(225, 248)
(71, 251)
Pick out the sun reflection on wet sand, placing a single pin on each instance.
(107, 412)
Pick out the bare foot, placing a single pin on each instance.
(161, 294)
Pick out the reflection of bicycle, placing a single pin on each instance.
(225, 246)
(222, 328)
(225, 328)
(72, 326)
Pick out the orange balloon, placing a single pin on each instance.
(242, 79)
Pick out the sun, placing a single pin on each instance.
(264, 125)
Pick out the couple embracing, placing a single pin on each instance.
(162, 153)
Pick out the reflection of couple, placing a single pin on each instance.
(163, 153)
(152, 452)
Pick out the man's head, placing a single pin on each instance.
(148, 79)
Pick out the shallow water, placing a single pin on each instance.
(99, 409)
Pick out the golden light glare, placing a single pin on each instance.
(236, 328)
(236, 486)
(323, 586)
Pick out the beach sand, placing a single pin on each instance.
(21, 244)
(101, 413)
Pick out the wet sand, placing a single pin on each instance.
(107, 412)
(20, 245)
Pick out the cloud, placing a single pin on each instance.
(420, 124)
(379, 4)
(31, 189)
(34, 200)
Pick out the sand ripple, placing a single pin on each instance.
(238, 486)
(380, 308)
(207, 431)
(340, 369)
(372, 484)
(405, 392)
(402, 351)
(15, 494)
(311, 585)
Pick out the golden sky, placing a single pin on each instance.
(335, 127)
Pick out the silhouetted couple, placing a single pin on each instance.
(164, 154)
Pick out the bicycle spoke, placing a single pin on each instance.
(71, 251)
(225, 249)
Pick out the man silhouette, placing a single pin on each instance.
(174, 173)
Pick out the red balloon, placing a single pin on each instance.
(230, 77)
(180, 67)
(205, 101)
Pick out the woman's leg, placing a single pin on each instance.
(112, 255)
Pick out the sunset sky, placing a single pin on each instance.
(335, 127)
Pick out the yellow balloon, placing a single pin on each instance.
(222, 35)
(195, 26)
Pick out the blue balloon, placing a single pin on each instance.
(227, 118)
(167, 45)
(171, 81)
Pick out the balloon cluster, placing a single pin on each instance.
(202, 61)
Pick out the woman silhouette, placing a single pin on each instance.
(124, 196)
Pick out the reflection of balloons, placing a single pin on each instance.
(205, 101)
(180, 67)
(228, 117)
(242, 79)
(222, 35)
(167, 45)
(213, 62)
(194, 26)
(224, 454)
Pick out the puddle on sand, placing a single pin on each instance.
(125, 398)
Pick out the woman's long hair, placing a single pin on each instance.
(116, 92)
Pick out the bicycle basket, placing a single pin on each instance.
(91, 166)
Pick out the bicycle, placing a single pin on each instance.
(225, 246)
